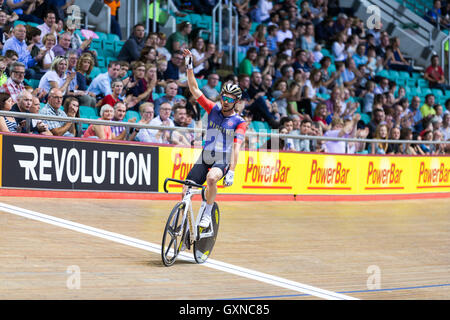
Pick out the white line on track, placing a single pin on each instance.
(148, 246)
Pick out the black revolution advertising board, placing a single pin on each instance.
(78, 165)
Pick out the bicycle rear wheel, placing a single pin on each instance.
(204, 246)
(173, 235)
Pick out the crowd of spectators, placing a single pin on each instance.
(309, 70)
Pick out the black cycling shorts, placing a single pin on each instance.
(204, 163)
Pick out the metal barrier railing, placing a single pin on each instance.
(272, 134)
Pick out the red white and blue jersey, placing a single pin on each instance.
(222, 131)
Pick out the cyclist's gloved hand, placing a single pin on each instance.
(228, 180)
(188, 62)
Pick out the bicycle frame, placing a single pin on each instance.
(189, 215)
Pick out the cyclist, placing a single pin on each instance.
(224, 137)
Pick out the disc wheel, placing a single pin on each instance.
(173, 236)
(204, 246)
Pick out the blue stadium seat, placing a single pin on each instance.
(117, 47)
(87, 112)
(132, 114)
(101, 62)
(97, 45)
(109, 49)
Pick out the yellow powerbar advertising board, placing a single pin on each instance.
(318, 174)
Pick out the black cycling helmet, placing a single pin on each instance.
(232, 89)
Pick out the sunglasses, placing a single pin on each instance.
(228, 99)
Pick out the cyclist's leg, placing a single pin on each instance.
(214, 175)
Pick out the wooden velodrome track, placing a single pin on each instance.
(265, 250)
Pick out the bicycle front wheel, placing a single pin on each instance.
(173, 235)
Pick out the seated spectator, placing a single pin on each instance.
(276, 143)
(427, 109)
(38, 126)
(245, 39)
(170, 96)
(301, 61)
(414, 109)
(249, 64)
(7, 123)
(378, 117)
(209, 89)
(11, 16)
(284, 32)
(435, 75)
(426, 148)
(320, 117)
(133, 46)
(15, 85)
(120, 110)
(49, 41)
(383, 86)
(260, 36)
(214, 60)
(147, 113)
(19, 45)
(394, 134)
(49, 26)
(308, 41)
(163, 119)
(445, 128)
(143, 90)
(437, 148)
(359, 56)
(104, 132)
(115, 96)
(280, 95)
(71, 106)
(396, 61)
(179, 40)
(83, 69)
(304, 145)
(148, 55)
(271, 39)
(338, 49)
(138, 73)
(434, 15)
(57, 77)
(101, 84)
(255, 90)
(64, 42)
(53, 108)
(374, 63)
(24, 10)
(381, 133)
(407, 148)
(173, 67)
(200, 57)
(161, 46)
(339, 130)
(324, 30)
(179, 119)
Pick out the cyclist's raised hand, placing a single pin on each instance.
(188, 59)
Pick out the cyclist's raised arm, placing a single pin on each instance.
(192, 82)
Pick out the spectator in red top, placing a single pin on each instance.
(114, 97)
(435, 75)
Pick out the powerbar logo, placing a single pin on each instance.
(110, 167)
